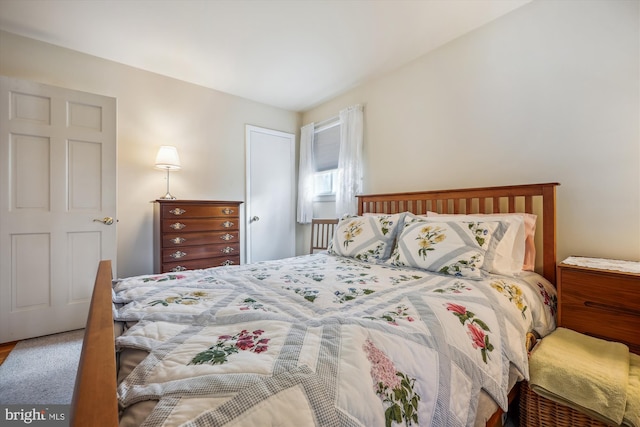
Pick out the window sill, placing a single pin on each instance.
(325, 198)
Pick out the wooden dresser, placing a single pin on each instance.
(603, 303)
(195, 234)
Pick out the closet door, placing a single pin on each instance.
(270, 203)
(57, 204)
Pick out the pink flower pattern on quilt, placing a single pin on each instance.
(227, 345)
(393, 387)
(476, 329)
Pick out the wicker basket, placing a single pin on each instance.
(538, 411)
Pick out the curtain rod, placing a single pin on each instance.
(330, 122)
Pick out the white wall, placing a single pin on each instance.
(207, 126)
(547, 93)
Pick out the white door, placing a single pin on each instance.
(270, 204)
(57, 186)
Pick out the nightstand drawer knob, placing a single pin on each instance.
(227, 224)
(177, 226)
(227, 237)
(227, 250)
(227, 211)
(177, 211)
(178, 268)
(178, 240)
(227, 262)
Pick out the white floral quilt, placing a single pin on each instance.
(322, 340)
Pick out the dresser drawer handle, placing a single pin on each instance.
(227, 224)
(612, 308)
(228, 262)
(227, 237)
(177, 211)
(227, 211)
(227, 250)
(178, 268)
(178, 240)
(178, 254)
(177, 226)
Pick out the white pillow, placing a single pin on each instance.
(454, 248)
(507, 252)
(367, 238)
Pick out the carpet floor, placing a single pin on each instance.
(41, 370)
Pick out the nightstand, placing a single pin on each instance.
(600, 298)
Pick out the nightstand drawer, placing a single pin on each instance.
(602, 290)
(602, 321)
(599, 302)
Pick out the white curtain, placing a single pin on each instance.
(305, 175)
(349, 179)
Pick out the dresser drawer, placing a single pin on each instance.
(191, 211)
(171, 240)
(201, 263)
(205, 224)
(203, 251)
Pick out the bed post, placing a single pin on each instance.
(549, 231)
(95, 402)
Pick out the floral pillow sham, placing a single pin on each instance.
(453, 248)
(366, 238)
(511, 252)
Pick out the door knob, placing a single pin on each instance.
(107, 220)
(255, 218)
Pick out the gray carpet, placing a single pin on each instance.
(41, 370)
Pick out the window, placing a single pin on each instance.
(326, 148)
(321, 176)
(324, 183)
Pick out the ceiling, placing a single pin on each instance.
(292, 54)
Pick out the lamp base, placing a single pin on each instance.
(168, 196)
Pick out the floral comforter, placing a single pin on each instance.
(325, 340)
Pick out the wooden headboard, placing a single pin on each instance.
(539, 199)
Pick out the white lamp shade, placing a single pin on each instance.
(167, 158)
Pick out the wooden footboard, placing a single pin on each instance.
(95, 400)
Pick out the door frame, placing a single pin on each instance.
(248, 205)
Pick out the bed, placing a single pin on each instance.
(417, 315)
